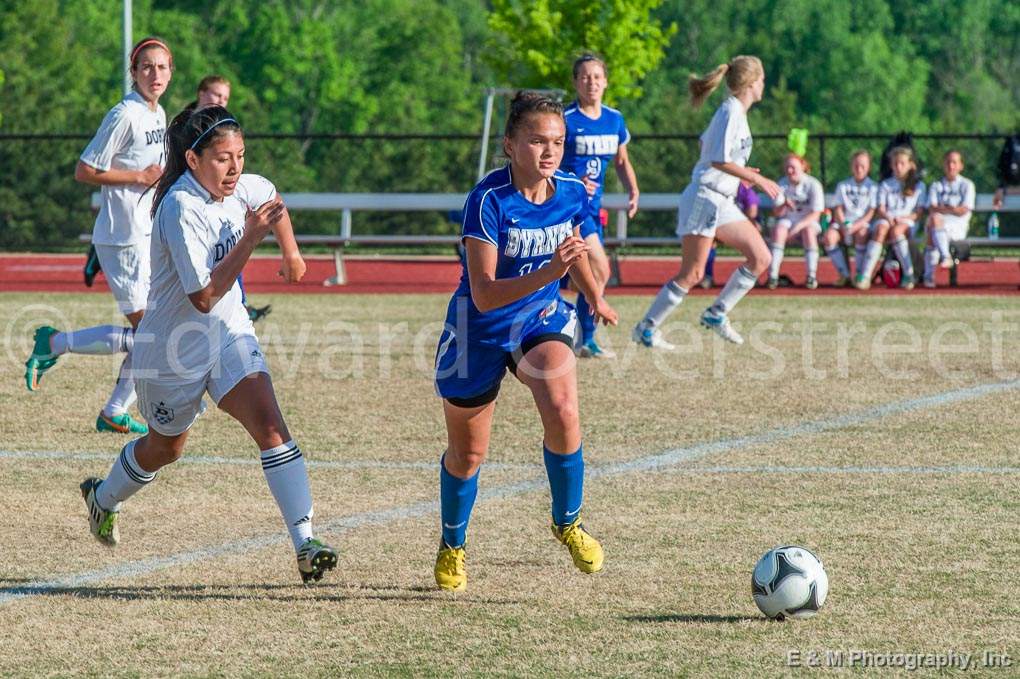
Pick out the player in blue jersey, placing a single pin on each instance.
(521, 233)
(596, 137)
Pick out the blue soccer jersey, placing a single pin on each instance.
(592, 144)
(526, 236)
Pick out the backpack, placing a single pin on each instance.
(898, 139)
(1009, 161)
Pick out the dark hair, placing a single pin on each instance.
(952, 151)
(913, 175)
(525, 103)
(585, 58)
(195, 131)
(147, 43)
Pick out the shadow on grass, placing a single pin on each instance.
(692, 617)
(324, 591)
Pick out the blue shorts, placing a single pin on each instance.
(592, 224)
(468, 374)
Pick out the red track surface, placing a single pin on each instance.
(641, 276)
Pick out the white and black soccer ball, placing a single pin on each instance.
(789, 581)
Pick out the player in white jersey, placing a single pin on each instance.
(798, 213)
(708, 210)
(901, 200)
(197, 337)
(124, 158)
(856, 200)
(950, 204)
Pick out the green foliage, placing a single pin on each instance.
(535, 41)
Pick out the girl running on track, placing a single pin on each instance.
(596, 137)
(522, 234)
(707, 209)
(197, 337)
(124, 158)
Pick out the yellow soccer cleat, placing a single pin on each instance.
(584, 549)
(450, 572)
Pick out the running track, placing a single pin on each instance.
(641, 276)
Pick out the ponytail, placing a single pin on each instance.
(701, 87)
(740, 72)
(191, 130)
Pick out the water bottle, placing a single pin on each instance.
(993, 226)
(848, 238)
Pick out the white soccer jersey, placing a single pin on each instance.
(726, 140)
(856, 197)
(890, 197)
(956, 193)
(175, 342)
(804, 197)
(129, 138)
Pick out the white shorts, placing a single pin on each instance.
(787, 222)
(911, 230)
(955, 227)
(126, 268)
(171, 409)
(703, 210)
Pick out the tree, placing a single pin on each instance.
(535, 41)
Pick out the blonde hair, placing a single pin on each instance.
(910, 181)
(740, 73)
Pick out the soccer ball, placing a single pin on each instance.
(789, 581)
(892, 274)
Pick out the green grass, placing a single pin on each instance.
(918, 562)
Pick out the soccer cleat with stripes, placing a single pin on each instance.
(591, 349)
(647, 336)
(121, 424)
(42, 358)
(102, 523)
(92, 266)
(449, 571)
(584, 549)
(721, 325)
(257, 313)
(314, 558)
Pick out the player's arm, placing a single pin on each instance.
(838, 214)
(751, 176)
(224, 275)
(489, 292)
(86, 174)
(293, 266)
(810, 217)
(584, 279)
(625, 172)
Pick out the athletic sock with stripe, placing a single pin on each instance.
(287, 476)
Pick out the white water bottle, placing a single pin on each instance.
(993, 226)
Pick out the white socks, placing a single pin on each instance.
(668, 298)
(941, 240)
(101, 339)
(839, 261)
(859, 251)
(871, 256)
(902, 250)
(931, 260)
(811, 258)
(736, 287)
(287, 477)
(124, 480)
(123, 392)
(777, 260)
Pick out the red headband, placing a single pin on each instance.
(146, 43)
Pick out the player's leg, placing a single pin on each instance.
(695, 249)
(600, 269)
(548, 369)
(743, 237)
(877, 235)
(833, 246)
(931, 252)
(780, 234)
(709, 280)
(251, 401)
(808, 234)
(898, 235)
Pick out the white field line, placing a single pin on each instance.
(417, 510)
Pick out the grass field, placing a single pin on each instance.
(880, 433)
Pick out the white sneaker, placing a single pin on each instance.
(721, 325)
(929, 283)
(102, 523)
(650, 337)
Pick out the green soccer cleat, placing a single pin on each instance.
(102, 523)
(42, 358)
(584, 549)
(257, 313)
(121, 424)
(449, 571)
(314, 558)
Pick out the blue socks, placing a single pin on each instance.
(566, 484)
(585, 318)
(456, 498)
(710, 264)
